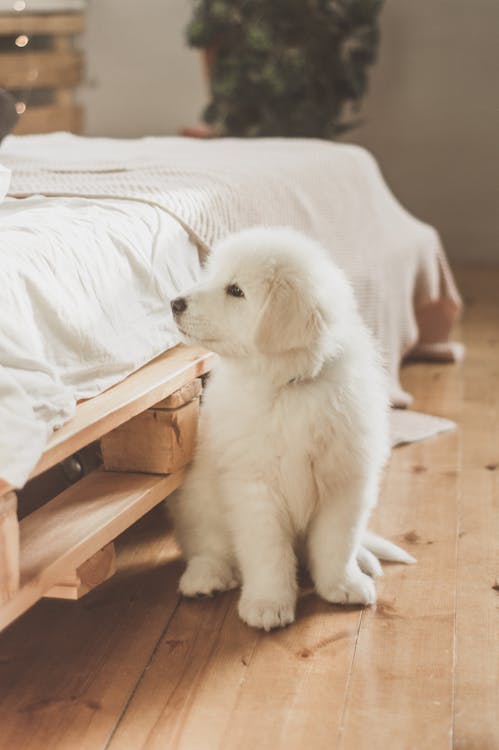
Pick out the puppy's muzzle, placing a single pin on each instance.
(178, 305)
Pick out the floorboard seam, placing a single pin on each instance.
(456, 569)
(142, 674)
(347, 686)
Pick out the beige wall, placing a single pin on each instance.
(431, 118)
(142, 77)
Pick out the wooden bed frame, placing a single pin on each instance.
(146, 425)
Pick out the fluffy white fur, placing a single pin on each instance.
(293, 432)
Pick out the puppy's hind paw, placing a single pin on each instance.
(205, 576)
(355, 588)
(369, 563)
(267, 613)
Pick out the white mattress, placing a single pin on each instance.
(85, 297)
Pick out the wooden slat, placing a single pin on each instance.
(40, 69)
(211, 676)
(9, 546)
(185, 394)
(139, 391)
(405, 651)
(70, 676)
(153, 382)
(67, 669)
(476, 723)
(80, 521)
(56, 23)
(64, 97)
(49, 119)
(215, 682)
(93, 572)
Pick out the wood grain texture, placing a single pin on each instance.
(57, 67)
(52, 23)
(46, 119)
(79, 581)
(405, 651)
(184, 395)
(139, 391)
(219, 683)
(9, 546)
(476, 703)
(72, 527)
(40, 69)
(68, 669)
(131, 667)
(142, 389)
(158, 441)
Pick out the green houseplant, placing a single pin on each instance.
(285, 67)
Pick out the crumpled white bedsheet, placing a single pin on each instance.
(85, 289)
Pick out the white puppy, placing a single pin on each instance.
(293, 433)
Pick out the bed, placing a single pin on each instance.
(97, 235)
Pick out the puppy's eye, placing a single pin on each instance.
(234, 290)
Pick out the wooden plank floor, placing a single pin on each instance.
(131, 666)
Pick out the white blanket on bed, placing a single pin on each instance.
(334, 192)
(85, 301)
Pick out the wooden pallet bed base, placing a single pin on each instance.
(147, 426)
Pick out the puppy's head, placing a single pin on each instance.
(265, 291)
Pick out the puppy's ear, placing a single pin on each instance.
(289, 319)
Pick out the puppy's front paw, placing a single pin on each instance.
(204, 576)
(354, 588)
(267, 613)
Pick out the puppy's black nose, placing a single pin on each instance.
(179, 304)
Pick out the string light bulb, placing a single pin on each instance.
(22, 40)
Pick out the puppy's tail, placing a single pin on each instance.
(385, 550)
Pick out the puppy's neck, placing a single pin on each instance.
(278, 371)
(292, 367)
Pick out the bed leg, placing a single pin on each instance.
(9, 546)
(87, 576)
